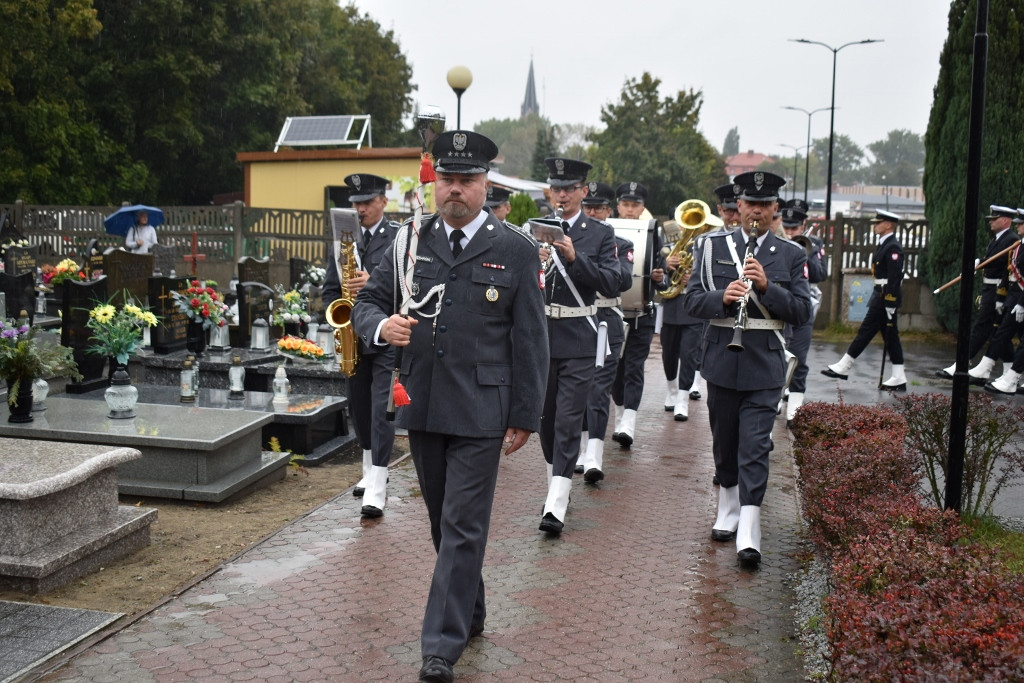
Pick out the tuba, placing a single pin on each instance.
(693, 218)
(339, 312)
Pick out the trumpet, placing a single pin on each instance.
(741, 312)
(693, 218)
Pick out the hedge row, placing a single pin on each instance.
(912, 598)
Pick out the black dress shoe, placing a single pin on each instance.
(549, 524)
(371, 511)
(943, 374)
(593, 475)
(680, 417)
(436, 670)
(476, 630)
(894, 387)
(578, 469)
(695, 395)
(749, 558)
(829, 372)
(358, 491)
(669, 409)
(714, 480)
(722, 535)
(625, 440)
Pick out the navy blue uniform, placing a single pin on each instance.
(993, 289)
(887, 271)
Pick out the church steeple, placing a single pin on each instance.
(530, 105)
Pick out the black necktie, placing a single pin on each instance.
(457, 236)
(366, 238)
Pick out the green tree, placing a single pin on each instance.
(516, 139)
(945, 141)
(847, 161)
(899, 158)
(52, 148)
(655, 141)
(546, 146)
(731, 145)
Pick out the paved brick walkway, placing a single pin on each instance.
(633, 590)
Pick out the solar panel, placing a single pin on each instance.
(307, 131)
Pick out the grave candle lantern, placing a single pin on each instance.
(260, 335)
(325, 339)
(236, 379)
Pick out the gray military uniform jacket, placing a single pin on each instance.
(370, 256)
(596, 269)
(480, 366)
(761, 365)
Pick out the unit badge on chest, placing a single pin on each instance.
(491, 294)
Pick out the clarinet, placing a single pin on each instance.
(741, 312)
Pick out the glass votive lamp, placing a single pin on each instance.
(260, 335)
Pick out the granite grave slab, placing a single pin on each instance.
(59, 513)
(188, 453)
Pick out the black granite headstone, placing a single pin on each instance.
(170, 333)
(78, 299)
(254, 270)
(19, 294)
(165, 260)
(93, 256)
(255, 300)
(18, 260)
(127, 272)
(296, 271)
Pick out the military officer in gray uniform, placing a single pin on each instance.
(798, 339)
(577, 267)
(474, 357)
(597, 205)
(744, 386)
(368, 387)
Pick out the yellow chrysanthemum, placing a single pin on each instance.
(133, 309)
(149, 318)
(104, 313)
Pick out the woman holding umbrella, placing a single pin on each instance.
(141, 236)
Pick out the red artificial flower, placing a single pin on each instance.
(210, 291)
(194, 302)
(195, 283)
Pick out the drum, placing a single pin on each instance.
(641, 233)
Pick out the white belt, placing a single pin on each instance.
(752, 323)
(608, 303)
(991, 280)
(881, 282)
(556, 311)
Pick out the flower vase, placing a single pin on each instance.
(195, 340)
(22, 412)
(121, 396)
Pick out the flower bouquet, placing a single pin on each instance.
(297, 347)
(291, 307)
(62, 272)
(24, 358)
(314, 275)
(202, 305)
(118, 332)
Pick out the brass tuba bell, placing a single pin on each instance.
(694, 218)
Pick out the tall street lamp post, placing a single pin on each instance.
(832, 121)
(459, 79)
(807, 166)
(796, 160)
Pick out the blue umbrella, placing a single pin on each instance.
(122, 220)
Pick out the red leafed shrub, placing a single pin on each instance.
(910, 609)
(826, 425)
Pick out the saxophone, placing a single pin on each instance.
(339, 312)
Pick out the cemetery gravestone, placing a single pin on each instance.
(296, 270)
(254, 270)
(165, 260)
(18, 260)
(19, 294)
(78, 299)
(255, 301)
(171, 332)
(127, 272)
(93, 255)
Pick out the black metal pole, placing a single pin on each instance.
(961, 383)
(831, 136)
(796, 160)
(807, 162)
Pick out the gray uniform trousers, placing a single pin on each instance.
(596, 418)
(565, 402)
(742, 424)
(798, 341)
(628, 388)
(368, 391)
(457, 477)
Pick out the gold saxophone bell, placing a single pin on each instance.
(339, 314)
(694, 218)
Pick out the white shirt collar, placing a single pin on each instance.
(468, 230)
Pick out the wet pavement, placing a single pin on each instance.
(634, 589)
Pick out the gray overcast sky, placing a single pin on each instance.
(736, 52)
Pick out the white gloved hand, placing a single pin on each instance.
(999, 307)
(1018, 313)
(891, 312)
(977, 262)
